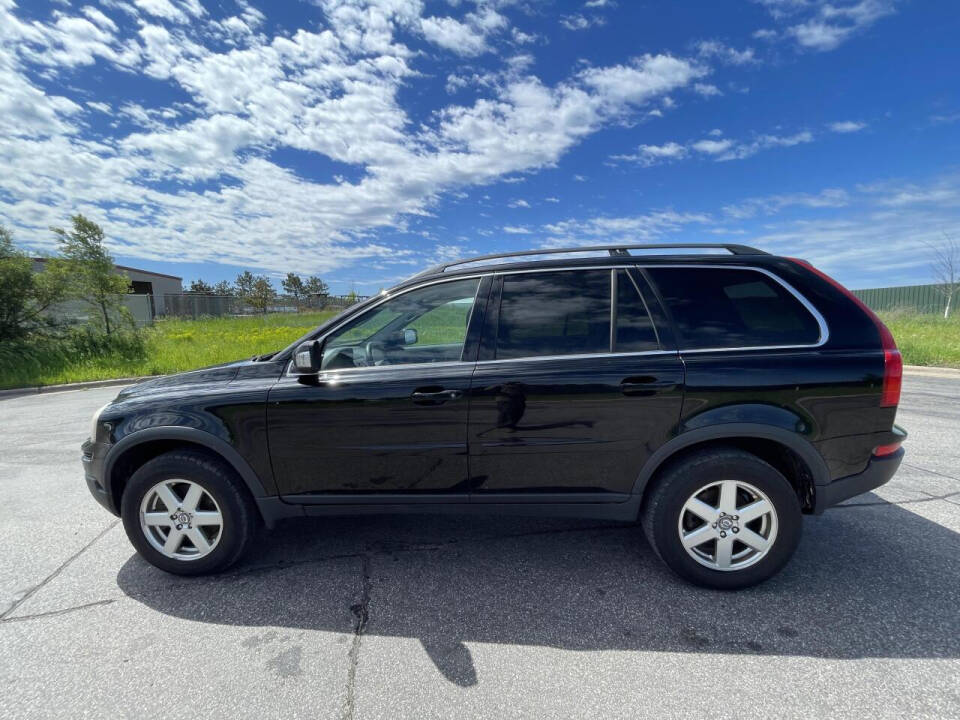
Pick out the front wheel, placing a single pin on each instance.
(187, 513)
(723, 519)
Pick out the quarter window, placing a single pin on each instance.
(731, 308)
(425, 325)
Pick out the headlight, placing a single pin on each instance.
(94, 421)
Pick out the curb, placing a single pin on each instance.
(36, 389)
(929, 371)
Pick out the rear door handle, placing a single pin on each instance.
(434, 396)
(645, 385)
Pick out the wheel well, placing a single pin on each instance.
(785, 460)
(134, 458)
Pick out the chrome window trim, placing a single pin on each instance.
(578, 356)
(388, 296)
(821, 322)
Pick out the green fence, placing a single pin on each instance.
(916, 298)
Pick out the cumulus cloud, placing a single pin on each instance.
(188, 179)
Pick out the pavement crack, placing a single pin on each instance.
(932, 472)
(54, 613)
(361, 612)
(929, 498)
(63, 566)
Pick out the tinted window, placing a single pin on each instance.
(554, 313)
(424, 325)
(635, 332)
(716, 308)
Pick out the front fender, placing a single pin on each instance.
(186, 435)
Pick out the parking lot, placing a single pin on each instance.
(475, 617)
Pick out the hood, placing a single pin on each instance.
(223, 373)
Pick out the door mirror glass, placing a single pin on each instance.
(306, 358)
(410, 336)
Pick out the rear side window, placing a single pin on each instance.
(731, 308)
(554, 313)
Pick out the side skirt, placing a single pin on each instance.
(625, 509)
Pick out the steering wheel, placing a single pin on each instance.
(374, 354)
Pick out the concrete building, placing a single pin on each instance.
(147, 296)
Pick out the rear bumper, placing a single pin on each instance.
(879, 471)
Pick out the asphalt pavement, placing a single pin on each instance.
(438, 617)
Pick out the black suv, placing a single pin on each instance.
(715, 396)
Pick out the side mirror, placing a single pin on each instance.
(410, 336)
(306, 358)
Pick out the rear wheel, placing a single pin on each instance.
(188, 513)
(723, 518)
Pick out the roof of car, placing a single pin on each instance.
(588, 255)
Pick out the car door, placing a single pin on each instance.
(387, 413)
(575, 386)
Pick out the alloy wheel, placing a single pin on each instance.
(181, 519)
(728, 525)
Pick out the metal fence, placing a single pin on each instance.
(923, 299)
(195, 305)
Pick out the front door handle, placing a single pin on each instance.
(645, 385)
(434, 396)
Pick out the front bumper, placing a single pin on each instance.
(879, 471)
(92, 458)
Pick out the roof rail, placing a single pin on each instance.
(614, 250)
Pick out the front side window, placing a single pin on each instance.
(421, 326)
(554, 313)
(733, 308)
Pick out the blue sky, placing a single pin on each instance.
(364, 139)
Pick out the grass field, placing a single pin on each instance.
(168, 346)
(926, 339)
(176, 345)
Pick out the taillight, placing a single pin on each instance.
(884, 450)
(892, 360)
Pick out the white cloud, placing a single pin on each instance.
(623, 229)
(712, 147)
(847, 126)
(162, 9)
(551, 199)
(516, 230)
(824, 24)
(581, 22)
(714, 49)
(771, 204)
(463, 38)
(706, 89)
(718, 149)
(518, 203)
(194, 176)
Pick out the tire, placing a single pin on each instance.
(759, 547)
(212, 525)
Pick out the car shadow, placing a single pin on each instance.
(867, 581)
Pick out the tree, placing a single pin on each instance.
(946, 269)
(294, 286)
(262, 293)
(244, 284)
(223, 288)
(90, 273)
(24, 294)
(200, 287)
(317, 288)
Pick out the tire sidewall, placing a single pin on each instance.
(681, 484)
(216, 482)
